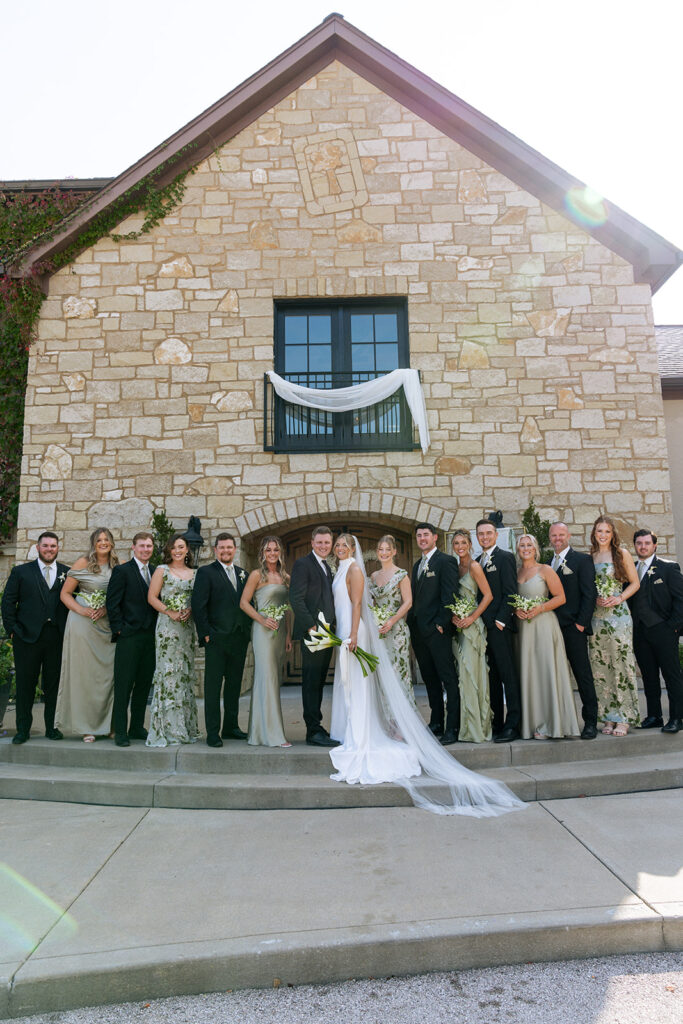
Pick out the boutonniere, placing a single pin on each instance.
(333, 569)
(651, 572)
(491, 567)
(243, 575)
(61, 577)
(429, 574)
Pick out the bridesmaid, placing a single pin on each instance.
(611, 646)
(469, 645)
(390, 592)
(270, 638)
(548, 708)
(173, 714)
(86, 687)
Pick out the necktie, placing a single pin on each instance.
(485, 560)
(145, 575)
(231, 576)
(555, 562)
(423, 565)
(47, 573)
(641, 570)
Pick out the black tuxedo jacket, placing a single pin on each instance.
(127, 606)
(579, 589)
(310, 592)
(660, 597)
(27, 603)
(501, 575)
(216, 604)
(432, 592)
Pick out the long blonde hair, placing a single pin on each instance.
(93, 565)
(349, 541)
(537, 547)
(263, 568)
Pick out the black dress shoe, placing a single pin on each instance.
(121, 741)
(673, 725)
(137, 734)
(506, 735)
(436, 728)
(214, 741)
(319, 739)
(589, 732)
(54, 734)
(450, 736)
(234, 734)
(652, 722)
(19, 738)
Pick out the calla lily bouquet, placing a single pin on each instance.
(323, 637)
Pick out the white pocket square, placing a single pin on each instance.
(657, 581)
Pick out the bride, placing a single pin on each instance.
(397, 746)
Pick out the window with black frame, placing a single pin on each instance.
(333, 345)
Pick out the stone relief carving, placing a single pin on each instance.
(330, 171)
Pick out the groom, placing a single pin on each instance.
(310, 592)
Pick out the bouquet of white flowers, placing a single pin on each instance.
(606, 585)
(178, 603)
(323, 637)
(95, 600)
(382, 615)
(274, 611)
(462, 606)
(525, 604)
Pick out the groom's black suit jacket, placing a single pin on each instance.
(127, 606)
(501, 576)
(579, 590)
(434, 589)
(310, 592)
(216, 604)
(27, 604)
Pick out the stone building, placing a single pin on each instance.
(347, 216)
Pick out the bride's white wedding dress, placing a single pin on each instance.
(375, 749)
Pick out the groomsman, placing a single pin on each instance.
(132, 620)
(223, 630)
(577, 575)
(310, 592)
(34, 619)
(501, 572)
(657, 610)
(435, 583)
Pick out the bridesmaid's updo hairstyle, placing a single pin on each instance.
(537, 548)
(349, 541)
(263, 568)
(93, 565)
(388, 539)
(462, 533)
(615, 547)
(167, 558)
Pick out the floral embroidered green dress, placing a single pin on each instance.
(612, 660)
(387, 598)
(173, 715)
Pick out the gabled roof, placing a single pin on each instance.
(653, 258)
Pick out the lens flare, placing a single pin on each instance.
(586, 206)
(26, 914)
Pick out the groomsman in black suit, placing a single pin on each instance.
(577, 575)
(310, 592)
(657, 610)
(34, 618)
(132, 620)
(435, 582)
(223, 630)
(501, 572)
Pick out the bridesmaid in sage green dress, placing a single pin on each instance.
(392, 598)
(267, 587)
(610, 648)
(469, 645)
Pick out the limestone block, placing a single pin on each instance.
(577, 295)
(653, 480)
(74, 381)
(179, 267)
(36, 514)
(612, 355)
(515, 215)
(549, 323)
(232, 401)
(450, 465)
(468, 263)
(74, 307)
(549, 241)
(196, 413)
(230, 302)
(588, 418)
(494, 312)
(262, 235)
(518, 465)
(237, 432)
(261, 475)
(57, 464)
(530, 432)
(77, 412)
(133, 513)
(471, 188)
(224, 506)
(170, 298)
(473, 357)
(172, 352)
(567, 399)
(270, 136)
(357, 231)
(634, 295)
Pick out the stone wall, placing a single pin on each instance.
(536, 348)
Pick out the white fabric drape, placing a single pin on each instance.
(360, 396)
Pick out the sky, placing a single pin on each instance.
(89, 87)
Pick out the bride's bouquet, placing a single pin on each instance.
(323, 637)
(178, 603)
(525, 604)
(274, 611)
(606, 584)
(95, 600)
(462, 607)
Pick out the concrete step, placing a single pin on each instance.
(315, 790)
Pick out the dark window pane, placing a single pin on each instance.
(319, 358)
(319, 330)
(363, 357)
(296, 358)
(295, 330)
(386, 327)
(386, 357)
(361, 327)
